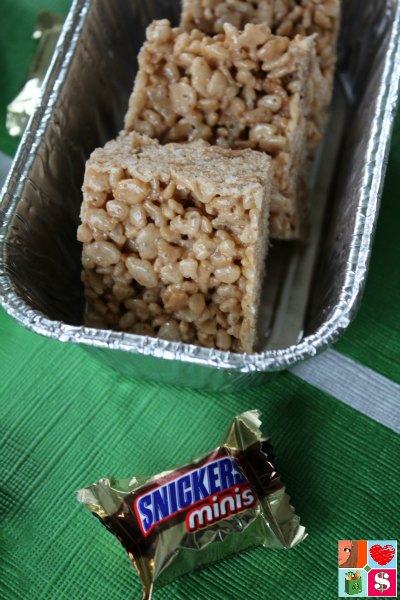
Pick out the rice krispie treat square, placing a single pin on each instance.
(239, 89)
(174, 240)
(284, 17)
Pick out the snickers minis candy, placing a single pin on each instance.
(229, 500)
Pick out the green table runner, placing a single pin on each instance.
(65, 421)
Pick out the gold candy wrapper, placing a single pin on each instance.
(47, 30)
(229, 500)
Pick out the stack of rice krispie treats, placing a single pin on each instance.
(226, 111)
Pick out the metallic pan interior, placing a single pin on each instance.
(84, 99)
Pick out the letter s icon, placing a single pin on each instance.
(381, 581)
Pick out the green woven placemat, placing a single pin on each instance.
(65, 422)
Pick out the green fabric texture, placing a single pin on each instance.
(65, 421)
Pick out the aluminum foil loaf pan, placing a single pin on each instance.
(312, 289)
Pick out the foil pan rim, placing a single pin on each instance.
(270, 360)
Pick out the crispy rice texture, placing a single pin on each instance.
(174, 240)
(284, 17)
(239, 89)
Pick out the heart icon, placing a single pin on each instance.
(382, 554)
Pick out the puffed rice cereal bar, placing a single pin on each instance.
(284, 17)
(238, 90)
(174, 240)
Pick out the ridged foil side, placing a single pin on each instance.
(84, 98)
